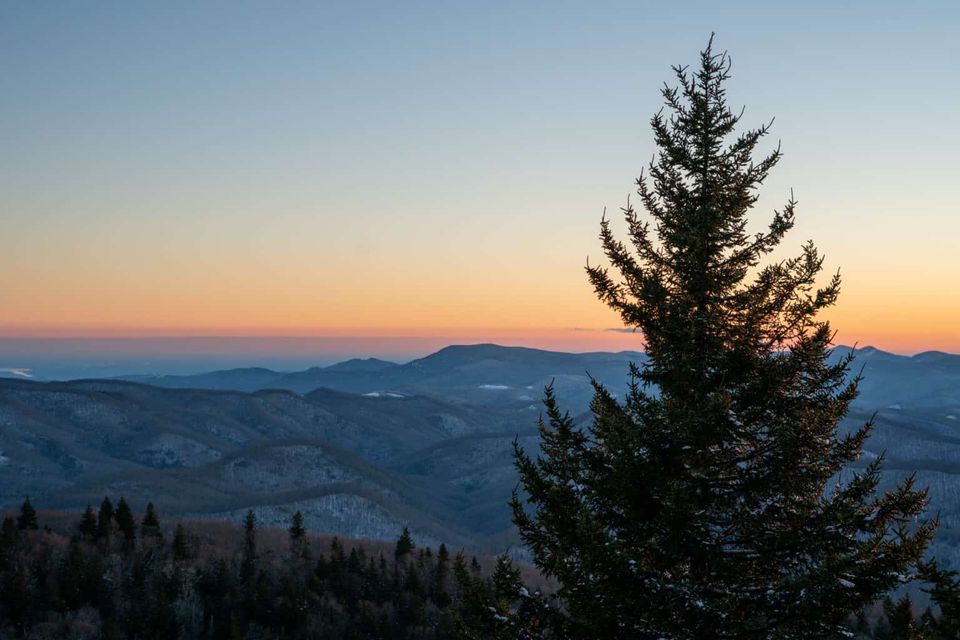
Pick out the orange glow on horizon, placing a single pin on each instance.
(895, 339)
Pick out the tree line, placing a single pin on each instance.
(111, 574)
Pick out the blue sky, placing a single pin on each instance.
(440, 168)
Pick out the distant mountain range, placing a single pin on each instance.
(471, 374)
(482, 375)
(364, 447)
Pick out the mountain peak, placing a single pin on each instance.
(361, 364)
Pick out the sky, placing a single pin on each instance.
(389, 177)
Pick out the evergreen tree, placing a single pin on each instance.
(298, 534)
(105, 519)
(150, 520)
(475, 620)
(88, 524)
(181, 544)
(899, 623)
(441, 576)
(506, 578)
(405, 544)
(125, 521)
(249, 560)
(9, 534)
(28, 517)
(713, 501)
(944, 590)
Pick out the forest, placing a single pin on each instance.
(110, 574)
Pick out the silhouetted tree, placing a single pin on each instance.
(298, 534)
(898, 622)
(404, 545)
(181, 544)
(9, 534)
(506, 578)
(944, 590)
(28, 517)
(88, 524)
(249, 561)
(441, 576)
(714, 501)
(105, 519)
(125, 521)
(151, 523)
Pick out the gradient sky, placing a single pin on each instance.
(438, 170)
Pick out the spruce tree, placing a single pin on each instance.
(9, 535)
(105, 519)
(181, 544)
(150, 518)
(27, 520)
(298, 534)
(506, 578)
(714, 500)
(125, 521)
(88, 524)
(405, 544)
(249, 560)
(441, 576)
(944, 590)
(899, 623)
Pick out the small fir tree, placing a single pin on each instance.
(27, 519)
(944, 589)
(713, 501)
(899, 622)
(405, 544)
(181, 543)
(248, 564)
(125, 521)
(298, 534)
(105, 519)
(9, 534)
(506, 579)
(441, 576)
(150, 519)
(88, 524)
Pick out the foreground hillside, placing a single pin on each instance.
(334, 456)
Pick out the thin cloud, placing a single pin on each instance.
(18, 372)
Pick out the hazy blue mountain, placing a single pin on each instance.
(362, 365)
(488, 374)
(929, 380)
(483, 375)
